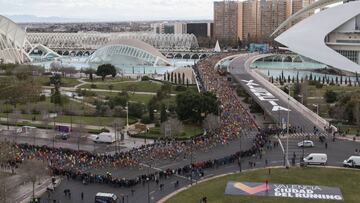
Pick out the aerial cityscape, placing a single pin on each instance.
(179, 101)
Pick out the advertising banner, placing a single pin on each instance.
(284, 190)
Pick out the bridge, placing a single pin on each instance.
(274, 101)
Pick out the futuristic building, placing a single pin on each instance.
(12, 42)
(15, 48)
(128, 52)
(87, 43)
(331, 36)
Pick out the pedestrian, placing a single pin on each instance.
(326, 145)
(161, 186)
(82, 196)
(266, 162)
(132, 192)
(176, 184)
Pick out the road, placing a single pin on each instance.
(275, 106)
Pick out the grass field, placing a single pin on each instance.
(346, 180)
(108, 80)
(44, 80)
(141, 86)
(189, 132)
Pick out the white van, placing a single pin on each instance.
(353, 161)
(315, 158)
(105, 198)
(104, 138)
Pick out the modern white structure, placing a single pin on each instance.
(87, 43)
(12, 42)
(128, 52)
(321, 36)
(14, 46)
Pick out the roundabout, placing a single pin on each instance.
(213, 189)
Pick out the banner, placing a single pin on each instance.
(284, 190)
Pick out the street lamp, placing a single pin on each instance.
(287, 128)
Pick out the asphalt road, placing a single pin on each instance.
(296, 118)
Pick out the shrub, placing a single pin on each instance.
(145, 119)
(145, 78)
(180, 88)
(330, 96)
(42, 98)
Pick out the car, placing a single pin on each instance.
(315, 158)
(353, 162)
(63, 135)
(306, 143)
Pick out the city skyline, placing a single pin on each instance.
(107, 10)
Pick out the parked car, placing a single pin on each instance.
(306, 143)
(353, 162)
(315, 158)
(62, 135)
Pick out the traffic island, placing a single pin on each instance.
(302, 185)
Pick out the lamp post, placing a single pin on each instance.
(191, 161)
(287, 128)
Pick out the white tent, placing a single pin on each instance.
(217, 47)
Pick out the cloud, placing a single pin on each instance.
(111, 9)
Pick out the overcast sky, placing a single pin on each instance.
(114, 10)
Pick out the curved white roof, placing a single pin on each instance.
(303, 11)
(12, 41)
(130, 48)
(141, 45)
(307, 37)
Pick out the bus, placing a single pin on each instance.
(105, 198)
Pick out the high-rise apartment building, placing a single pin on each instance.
(252, 20)
(228, 22)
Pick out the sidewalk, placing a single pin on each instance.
(22, 191)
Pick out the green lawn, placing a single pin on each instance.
(189, 132)
(346, 180)
(65, 82)
(141, 86)
(108, 80)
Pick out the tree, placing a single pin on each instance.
(163, 114)
(34, 170)
(193, 105)
(56, 81)
(80, 133)
(136, 110)
(183, 79)
(171, 128)
(330, 96)
(90, 72)
(211, 123)
(105, 70)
